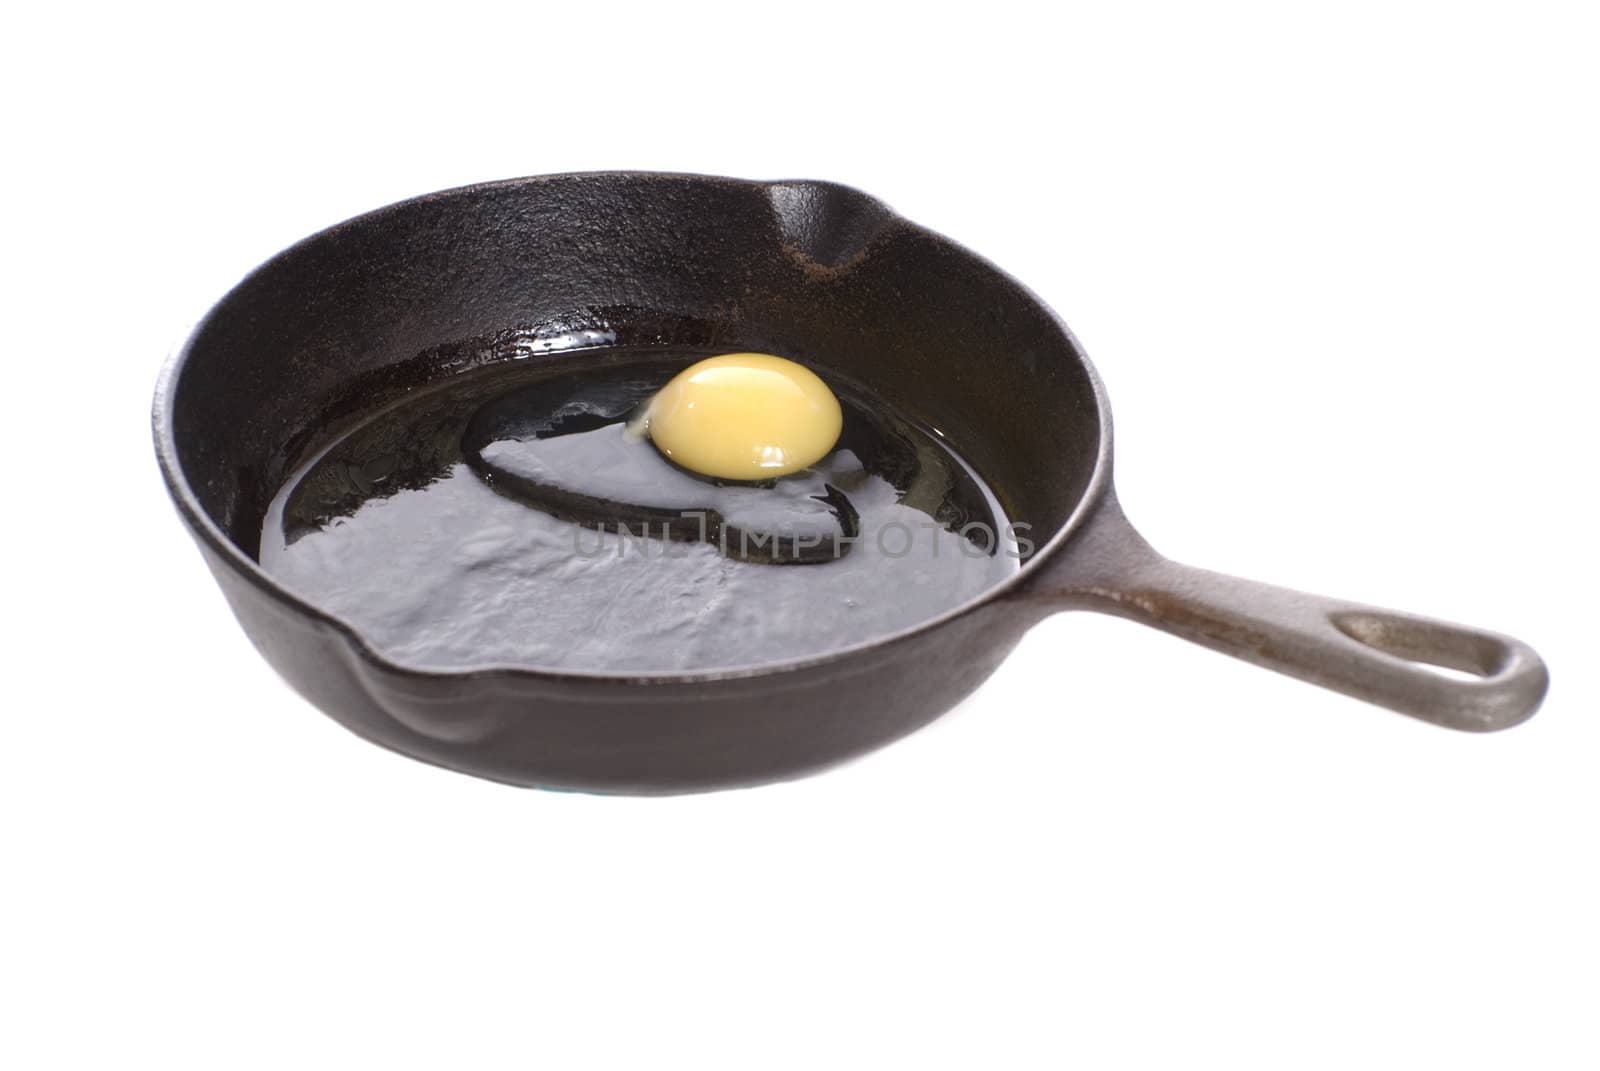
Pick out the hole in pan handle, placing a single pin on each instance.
(1393, 659)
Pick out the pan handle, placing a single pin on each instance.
(1381, 656)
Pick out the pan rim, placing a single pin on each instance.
(205, 528)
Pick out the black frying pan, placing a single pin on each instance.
(367, 310)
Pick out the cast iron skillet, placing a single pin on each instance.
(820, 272)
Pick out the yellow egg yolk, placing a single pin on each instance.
(744, 416)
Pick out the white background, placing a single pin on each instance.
(1338, 267)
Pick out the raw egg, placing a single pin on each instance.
(744, 416)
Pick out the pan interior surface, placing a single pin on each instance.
(536, 529)
(532, 278)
